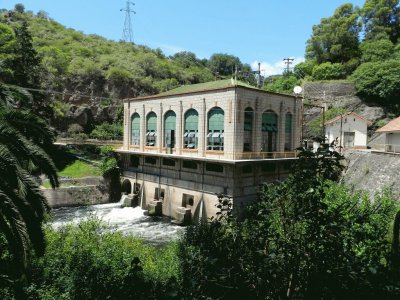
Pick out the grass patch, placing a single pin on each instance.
(79, 169)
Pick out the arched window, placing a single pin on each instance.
(269, 131)
(288, 131)
(135, 129)
(215, 136)
(151, 129)
(169, 129)
(190, 137)
(248, 129)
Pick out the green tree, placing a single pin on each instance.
(328, 71)
(25, 146)
(7, 41)
(281, 84)
(335, 39)
(19, 7)
(186, 59)
(381, 18)
(376, 50)
(110, 170)
(305, 238)
(26, 62)
(304, 69)
(378, 81)
(224, 64)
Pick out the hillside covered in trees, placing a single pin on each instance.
(356, 44)
(92, 65)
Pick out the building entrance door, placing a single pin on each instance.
(348, 138)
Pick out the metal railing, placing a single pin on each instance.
(389, 148)
(221, 154)
(72, 141)
(266, 155)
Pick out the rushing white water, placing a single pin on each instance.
(155, 230)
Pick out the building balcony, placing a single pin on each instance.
(387, 148)
(210, 154)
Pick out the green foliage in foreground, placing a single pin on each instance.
(80, 169)
(26, 145)
(306, 238)
(111, 173)
(87, 261)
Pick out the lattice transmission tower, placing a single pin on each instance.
(127, 34)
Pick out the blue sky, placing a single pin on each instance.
(254, 30)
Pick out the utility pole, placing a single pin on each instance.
(258, 75)
(288, 61)
(127, 34)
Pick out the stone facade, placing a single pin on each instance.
(255, 143)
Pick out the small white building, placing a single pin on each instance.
(350, 129)
(392, 135)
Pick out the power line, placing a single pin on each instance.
(170, 103)
(127, 34)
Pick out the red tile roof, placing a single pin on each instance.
(393, 125)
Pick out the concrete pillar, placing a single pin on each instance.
(281, 130)
(202, 128)
(160, 134)
(126, 131)
(179, 129)
(143, 128)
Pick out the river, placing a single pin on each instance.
(154, 230)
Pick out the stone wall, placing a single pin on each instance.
(84, 191)
(372, 171)
(340, 94)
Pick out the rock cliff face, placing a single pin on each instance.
(86, 115)
(372, 171)
(341, 94)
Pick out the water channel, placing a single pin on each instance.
(154, 230)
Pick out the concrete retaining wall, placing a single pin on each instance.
(86, 191)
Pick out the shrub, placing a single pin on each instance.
(305, 238)
(87, 261)
(107, 131)
(328, 71)
(378, 81)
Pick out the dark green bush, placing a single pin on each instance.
(88, 261)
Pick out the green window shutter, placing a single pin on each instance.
(191, 120)
(248, 119)
(152, 122)
(170, 120)
(269, 121)
(135, 121)
(216, 119)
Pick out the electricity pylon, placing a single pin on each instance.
(127, 34)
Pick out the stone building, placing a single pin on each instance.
(183, 146)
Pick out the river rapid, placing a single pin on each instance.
(128, 220)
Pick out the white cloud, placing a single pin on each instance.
(274, 68)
